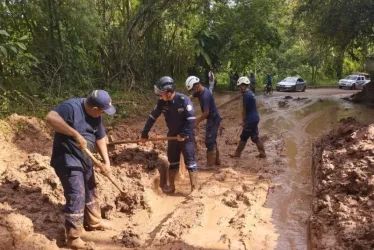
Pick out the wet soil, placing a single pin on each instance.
(246, 203)
(343, 188)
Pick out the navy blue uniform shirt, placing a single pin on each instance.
(179, 116)
(207, 102)
(65, 152)
(249, 104)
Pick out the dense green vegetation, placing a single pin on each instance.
(54, 49)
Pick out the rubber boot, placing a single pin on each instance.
(163, 178)
(238, 150)
(193, 180)
(210, 158)
(261, 149)
(218, 160)
(171, 188)
(76, 243)
(73, 240)
(93, 220)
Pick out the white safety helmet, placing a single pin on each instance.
(191, 81)
(243, 80)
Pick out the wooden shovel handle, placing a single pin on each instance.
(97, 162)
(140, 140)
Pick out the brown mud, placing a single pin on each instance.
(342, 210)
(245, 203)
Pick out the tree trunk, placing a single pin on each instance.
(339, 60)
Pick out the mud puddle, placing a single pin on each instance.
(300, 123)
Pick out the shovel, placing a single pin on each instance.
(110, 177)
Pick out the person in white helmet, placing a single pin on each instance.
(210, 113)
(250, 119)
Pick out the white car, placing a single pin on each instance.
(292, 84)
(353, 82)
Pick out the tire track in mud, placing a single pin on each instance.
(300, 124)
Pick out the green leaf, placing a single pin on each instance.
(3, 32)
(14, 49)
(21, 45)
(207, 58)
(24, 37)
(3, 50)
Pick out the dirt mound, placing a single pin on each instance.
(31, 134)
(17, 233)
(33, 190)
(30, 188)
(343, 208)
(130, 238)
(366, 96)
(283, 104)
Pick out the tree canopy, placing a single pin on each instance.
(59, 48)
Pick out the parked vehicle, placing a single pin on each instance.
(354, 81)
(291, 84)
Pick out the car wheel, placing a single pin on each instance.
(340, 87)
(277, 89)
(353, 86)
(303, 90)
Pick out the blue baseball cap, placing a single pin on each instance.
(101, 99)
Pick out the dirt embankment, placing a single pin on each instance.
(366, 96)
(343, 207)
(31, 195)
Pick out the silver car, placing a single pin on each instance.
(291, 84)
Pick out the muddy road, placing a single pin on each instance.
(248, 203)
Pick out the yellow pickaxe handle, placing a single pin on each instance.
(99, 163)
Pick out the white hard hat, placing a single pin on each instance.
(243, 80)
(191, 81)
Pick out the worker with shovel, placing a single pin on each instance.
(180, 118)
(210, 113)
(78, 127)
(250, 119)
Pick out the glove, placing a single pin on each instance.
(144, 135)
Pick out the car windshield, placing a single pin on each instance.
(351, 77)
(290, 79)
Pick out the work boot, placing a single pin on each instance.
(73, 239)
(218, 160)
(193, 180)
(171, 188)
(92, 216)
(261, 149)
(238, 150)
(210, 158)
(76, 243)
(163, 176)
